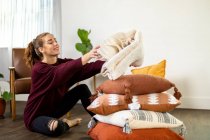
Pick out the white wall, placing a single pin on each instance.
(177, 31)
(4, 63)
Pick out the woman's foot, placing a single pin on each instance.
(73, 122)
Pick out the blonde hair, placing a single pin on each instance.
(32, 52)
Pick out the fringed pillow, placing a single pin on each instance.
(136, 85)
(110, 103)
(103, 131)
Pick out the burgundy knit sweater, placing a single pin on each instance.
(51, 82)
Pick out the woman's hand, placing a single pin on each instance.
(91, 54)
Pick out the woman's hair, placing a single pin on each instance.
(32, 52)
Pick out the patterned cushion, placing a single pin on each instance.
(103, 131)
(141, 119)
(110, 103)
(156, 69)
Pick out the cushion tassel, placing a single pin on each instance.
(183, 131)
(126, 128)
(128, 97)
(177, 94)
(94, 96)
(92, 123)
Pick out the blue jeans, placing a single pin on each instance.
(41, 123)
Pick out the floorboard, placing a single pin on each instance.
(197, 123)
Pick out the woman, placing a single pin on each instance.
(50, 97)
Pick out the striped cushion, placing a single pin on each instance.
(141, 119)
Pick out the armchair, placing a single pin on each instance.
(20, 77)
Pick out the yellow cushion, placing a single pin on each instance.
(156, 70)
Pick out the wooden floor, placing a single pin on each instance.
(197, 123)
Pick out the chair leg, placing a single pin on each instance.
(12, 90)
(13, 108)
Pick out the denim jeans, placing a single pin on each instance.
(80, 92)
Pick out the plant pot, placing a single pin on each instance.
(2, 108)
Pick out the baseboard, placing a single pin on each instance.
(195, 103)
(21, 97)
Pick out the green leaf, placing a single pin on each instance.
(1, 75)
(89, 47)
(81, 47)
(86, 45)
(6, 96)
(83, 35)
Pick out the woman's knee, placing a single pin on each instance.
(52, 125)
(57, 127)
(83, 86)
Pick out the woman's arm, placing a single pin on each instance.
(90, 69)
(55, 75)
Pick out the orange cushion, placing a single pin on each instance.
(103, 131)
(136, 85)
(156, 69)
(110, 103)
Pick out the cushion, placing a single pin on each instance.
(22, 85)
(136, 85)
(156, 69)
(103, 131)
(141, 119)
(110, 103)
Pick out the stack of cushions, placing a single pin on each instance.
(144, 93)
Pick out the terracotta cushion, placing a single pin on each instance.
(110, 103)
(136, 85)
(103, 131)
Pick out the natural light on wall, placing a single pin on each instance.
(23, 20)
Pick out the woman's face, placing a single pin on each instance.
(50, 46)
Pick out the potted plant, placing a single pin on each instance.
(85, 46)
(4, 97)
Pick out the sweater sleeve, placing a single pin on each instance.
(55, 75)
(90, 69)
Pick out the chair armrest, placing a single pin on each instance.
(11, 68)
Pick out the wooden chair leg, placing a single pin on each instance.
(13, 107)
(12, 90)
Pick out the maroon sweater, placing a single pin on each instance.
(51, 82)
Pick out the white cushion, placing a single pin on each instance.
(141, 119)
